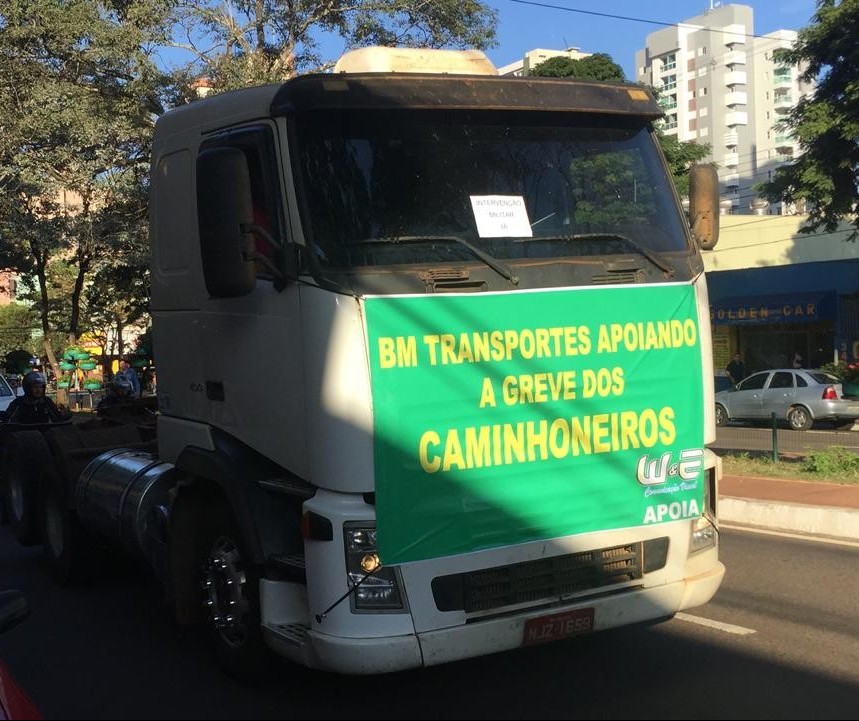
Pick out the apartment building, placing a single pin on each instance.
(8, 283)
(721, 86)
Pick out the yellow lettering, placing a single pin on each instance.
(487, 394)
(429, 463)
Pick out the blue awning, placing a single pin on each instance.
(802, 307)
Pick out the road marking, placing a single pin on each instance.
(788, 534)
(718, 625)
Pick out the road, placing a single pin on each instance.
(759, 438)
(780, 642)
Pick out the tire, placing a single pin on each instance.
(26, 457)
(230, 592)
(71, 554)
(721, 415)
(799, 418)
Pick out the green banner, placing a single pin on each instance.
(513, 417)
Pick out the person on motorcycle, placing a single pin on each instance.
(119, 393)
(34, 406)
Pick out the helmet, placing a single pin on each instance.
(31, 379)
(120, 385)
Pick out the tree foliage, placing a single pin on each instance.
(826, 123)
(598, 66)
(250, 42)
(79, 101)
(17, 326)
(680, 156)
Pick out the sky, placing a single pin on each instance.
(587, 24)
(527, 24)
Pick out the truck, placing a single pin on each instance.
(435, 373)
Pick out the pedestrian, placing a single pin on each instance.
(797, 360)
(736, 369)
(127, 372)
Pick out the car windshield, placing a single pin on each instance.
(512, 184)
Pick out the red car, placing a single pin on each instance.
(14, 702)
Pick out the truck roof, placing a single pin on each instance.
(462, 92)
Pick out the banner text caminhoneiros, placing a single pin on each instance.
(554, 342)
(502, 444)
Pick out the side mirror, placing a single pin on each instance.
(704, 205)
(225, 216)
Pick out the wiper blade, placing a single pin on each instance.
(490, 260)
(642, 249)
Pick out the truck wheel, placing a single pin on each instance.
(26, 457)
(230, 585)
(69, 551)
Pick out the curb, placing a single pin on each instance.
(840, 523)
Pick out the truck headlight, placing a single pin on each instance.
(704, 535)
(376, 587)
(704, 531)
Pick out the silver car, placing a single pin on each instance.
(797, 396)
(7, 394)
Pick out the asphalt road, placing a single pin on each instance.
(759, 438)
(779, 640)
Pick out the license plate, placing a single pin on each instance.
(560, 625)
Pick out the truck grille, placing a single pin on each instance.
(535, 581)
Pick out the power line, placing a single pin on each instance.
(634, 19)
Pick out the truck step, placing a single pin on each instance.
(296, 634)
(286, 567)
(288, 486)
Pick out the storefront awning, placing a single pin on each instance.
(803, 307)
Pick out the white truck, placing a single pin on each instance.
(435, 372)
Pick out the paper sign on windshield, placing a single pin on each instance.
(513, 417)
(501, 216)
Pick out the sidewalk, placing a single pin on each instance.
(819, 509)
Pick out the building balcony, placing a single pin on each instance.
(731, 180)
(734, 57)
(736, 98)
(736, 77)
(783, 103)
(732, 140)
(737, 117)
(784, 142)
(732, 160)
(782, 80)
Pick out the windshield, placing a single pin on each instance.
(512, 184)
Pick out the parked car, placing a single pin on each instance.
(721, 381)
(14, 701)
(7, 394)
(798, 396)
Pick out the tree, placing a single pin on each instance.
(17, 326)
(249, 42)
(78, 106)
(598, 66)
(826, 123)
(680, 156)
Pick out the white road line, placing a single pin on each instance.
(718, 625)
(788, 534)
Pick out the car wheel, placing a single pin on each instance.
(721, 415)
(799, 418)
